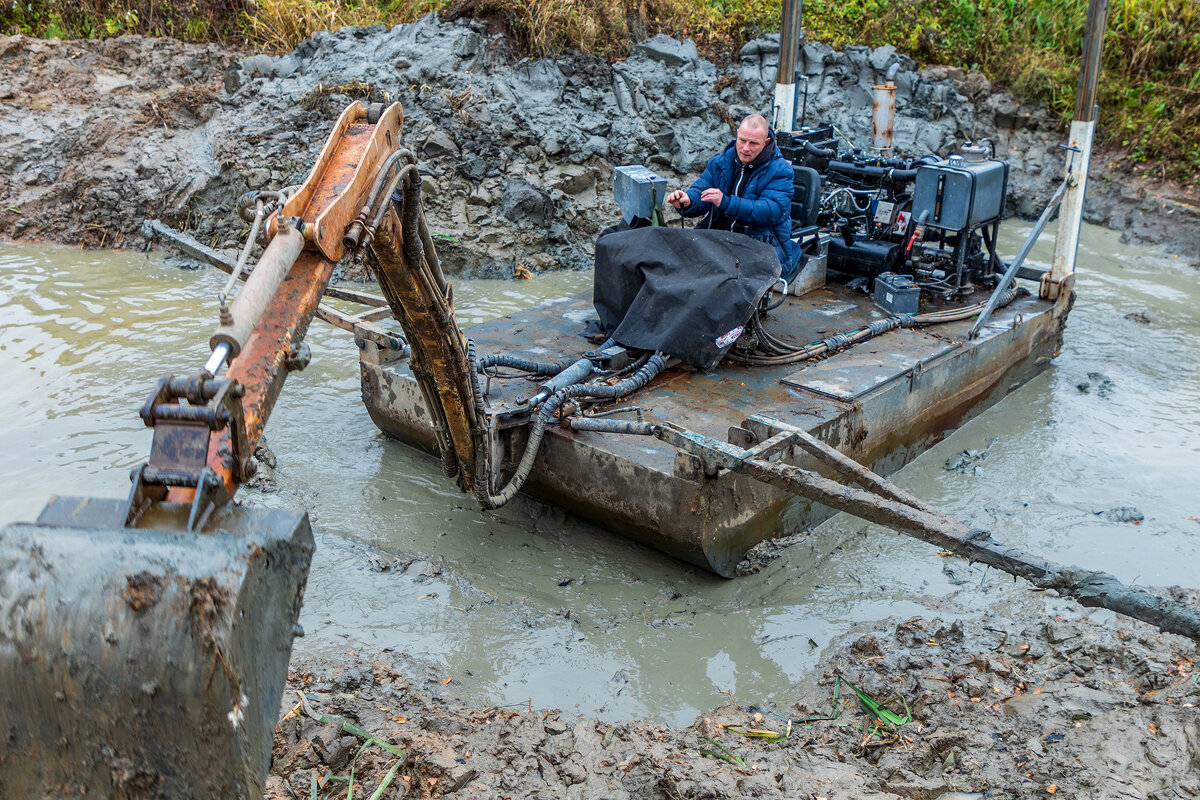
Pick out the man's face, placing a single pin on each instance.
(750, 142)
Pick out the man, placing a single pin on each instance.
(747, 188)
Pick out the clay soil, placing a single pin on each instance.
(1041, 699)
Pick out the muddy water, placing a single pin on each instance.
(529, 605)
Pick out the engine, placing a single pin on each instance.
(930, 221)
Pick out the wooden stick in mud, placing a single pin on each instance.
(888, 504)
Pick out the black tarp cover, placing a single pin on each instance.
(686, 292)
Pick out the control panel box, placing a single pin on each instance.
(638, 192)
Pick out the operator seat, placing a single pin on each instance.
(806, 201)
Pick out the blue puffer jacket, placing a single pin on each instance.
(763, 211)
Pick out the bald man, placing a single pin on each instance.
(747, 188)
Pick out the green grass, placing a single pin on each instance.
(1149, 89)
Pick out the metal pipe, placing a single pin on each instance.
(1051, 207)
(260, 212)
(1083, 127)
(626, 426)
(883, 112)
(219, 355)
(1089, 70)
(248, 306)
(789, 50)
(886, 173)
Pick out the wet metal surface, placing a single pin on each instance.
(112, 640)
(854, 372)
(528, 604)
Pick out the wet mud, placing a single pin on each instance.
(1017, 704)
(97, 136)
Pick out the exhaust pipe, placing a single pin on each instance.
(883, 112)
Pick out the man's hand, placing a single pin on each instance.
(679, 199)
(714, 196)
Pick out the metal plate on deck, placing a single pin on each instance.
(854, 372)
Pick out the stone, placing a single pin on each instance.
(522, 201)
(668, 51)
(439, 144)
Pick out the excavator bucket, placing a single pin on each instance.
(148, 661)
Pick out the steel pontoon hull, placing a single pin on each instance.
(882, 403)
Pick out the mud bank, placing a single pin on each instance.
(98, 136)
(1034, 701)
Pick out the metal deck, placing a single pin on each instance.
(882, 403)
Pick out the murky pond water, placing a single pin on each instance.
(530, 605)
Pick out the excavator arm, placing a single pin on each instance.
(144, 643)
(205, 428)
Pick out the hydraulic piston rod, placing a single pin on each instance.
(247, 308)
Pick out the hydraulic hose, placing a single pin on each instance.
(777, 356)
(818, 152)
(642, 376)
(886, 173)
(521, 364)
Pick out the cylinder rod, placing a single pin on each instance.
(260, 287)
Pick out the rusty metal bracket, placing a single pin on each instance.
(182, 435)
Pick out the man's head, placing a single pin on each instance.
(752, 136)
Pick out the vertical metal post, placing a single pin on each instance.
(1079, 153)
(789, 58)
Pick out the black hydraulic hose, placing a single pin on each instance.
(369, 207)
(473, 370)
(840, 341)
(818, 152)
(766, 341)
(603, 391)
(521, 364)
(633, 366)
(483, 491)
(886, 173)
(782, 296)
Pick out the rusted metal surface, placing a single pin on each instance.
(883, 116)
(339, 182)
(260, 368)
(438, 351)
(651, 492)
(869, 365)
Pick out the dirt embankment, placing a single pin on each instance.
(1034, 702)
(95, 137)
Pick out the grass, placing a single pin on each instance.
(1149, 88)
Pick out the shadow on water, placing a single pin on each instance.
(529, 604)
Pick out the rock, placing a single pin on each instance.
(538, 82)
(668, 51)
(523, 202)
(439, 144)
(1057, 632)
(473, 115)
(1122, 514)
(866, 647)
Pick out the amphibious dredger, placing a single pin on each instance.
(144, 642)
(902, 321)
